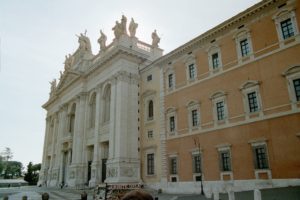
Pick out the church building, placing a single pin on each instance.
(220, 113)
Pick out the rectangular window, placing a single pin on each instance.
(194, 118)
(150, 164)
(297, 88)
(252, 101)
(225, 161)
(172, 123)
(245, 48)
(174, 179)
(173, 166)
(197, 164)
(220, 110)
(149, 77)
(170, 80)
(287, 28)
(150, 134)
(192, 71)
(215, 61)
(261, 159)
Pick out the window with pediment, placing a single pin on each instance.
(170, 79)
(191, 68)
(214, 59)
(251, 98)
(292, 75)
(286, 24)
(193, 115)
(171, 119)
(243, 44)
(219, 103)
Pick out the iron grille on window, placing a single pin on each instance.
(287, 28)
(220, 110)
(215, 60)
(150, 164)
(197, 163)
(194, 118)
(252, 100)
(297, 88)
(261, 158)
(192, 71)
(245, 48)
(170, 79)
(225, 159)
(173, 165)
(172, 124)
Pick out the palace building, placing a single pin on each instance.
(221, 112)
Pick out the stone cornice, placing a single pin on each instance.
(113, 53)
(214, 32)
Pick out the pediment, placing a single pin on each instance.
(67, 78)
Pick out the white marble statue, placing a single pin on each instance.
(53, 86)
(123, 23)
(84, 43)
(68, 62)
(132, 28)
(117, 30)
(155, 39)
(102, 41)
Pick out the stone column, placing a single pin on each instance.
(96, 176)
(76, 178)
(51, 170)
(59, 146)
(123, 163)
(43, 173)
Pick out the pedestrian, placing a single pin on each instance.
(45, 196)
(137, 195)
(84, 196)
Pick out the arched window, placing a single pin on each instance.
(150, 110)
(92, 112)
(107, 97)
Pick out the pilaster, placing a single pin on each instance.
(96, 164)
(123, 164)
(77, 166)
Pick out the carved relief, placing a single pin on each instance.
(112, 172)
(128, 172)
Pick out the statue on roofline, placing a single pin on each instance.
(132, 28)
(68, 62)
(84, 42)
(117, 30)
(155, 39)
(53, 86)
(123, 23)
(102, 41)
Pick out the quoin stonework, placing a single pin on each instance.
(221, 112)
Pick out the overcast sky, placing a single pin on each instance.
(36, 35)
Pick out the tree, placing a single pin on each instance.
(32, 175)
(7, 154)
(1, 165)
(13, 169)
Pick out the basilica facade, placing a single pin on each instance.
(220, 113)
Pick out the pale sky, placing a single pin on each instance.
(36, 35)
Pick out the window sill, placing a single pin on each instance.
(263, 174)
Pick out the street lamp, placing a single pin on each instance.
(197, 144)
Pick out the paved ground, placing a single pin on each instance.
(34, 193)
